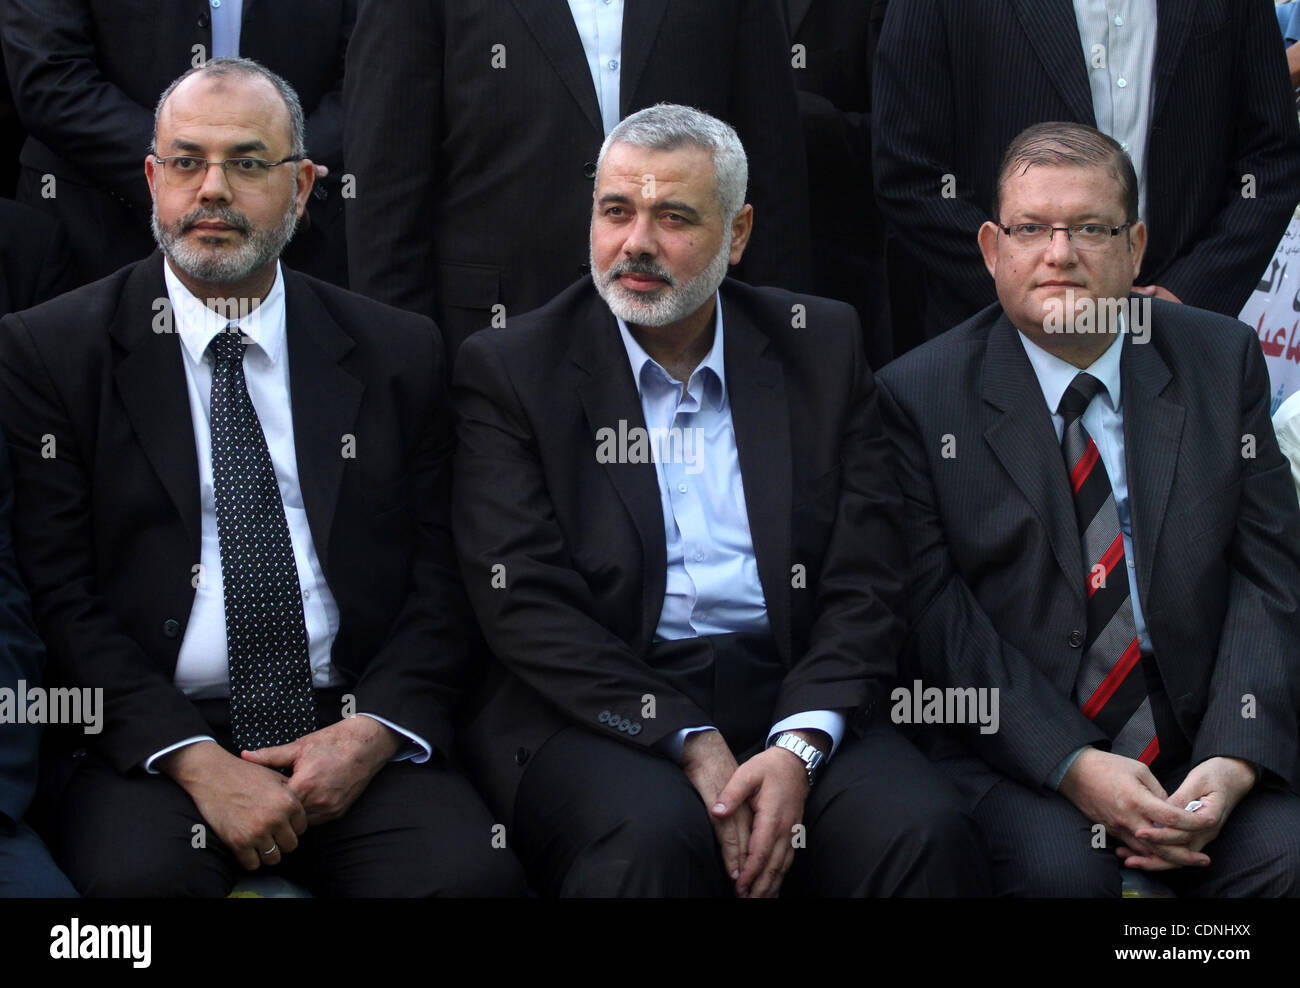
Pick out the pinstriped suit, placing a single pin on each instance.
(997, 595)
(956, 80)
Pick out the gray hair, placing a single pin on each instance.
(668, 126)
(233, 66)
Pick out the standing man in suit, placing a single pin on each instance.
(85, 75)
(457, 116)
(35, 260)
(1195, 91)
(26, 868)
(834, 43)
(232, 511)
(1102, 529)
(678, 527)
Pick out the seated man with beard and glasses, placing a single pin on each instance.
(232, 513)
(680, 531)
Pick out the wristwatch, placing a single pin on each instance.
(812, 756)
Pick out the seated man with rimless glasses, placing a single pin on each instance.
(232, 487)
(1102, 529)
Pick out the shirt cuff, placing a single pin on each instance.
(672, 745)
(416, 749)
(148, 762)
(1058, 774)
(829, 721)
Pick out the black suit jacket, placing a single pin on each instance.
(997, 575)
(474, 182)
(956, 80)
(581, 543)
(35, 260)
(108, 515)
(22, 659)
(86, 75)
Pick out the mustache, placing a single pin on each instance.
(644, 268)
(222, 214)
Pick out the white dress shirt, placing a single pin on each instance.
(202, 665)
(712, 584)
(600, 26)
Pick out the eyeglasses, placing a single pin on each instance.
(1084, 236)
(183, 171)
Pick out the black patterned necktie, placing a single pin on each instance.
(1110, 687)
(271, 697)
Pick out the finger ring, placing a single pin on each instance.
(274, 847)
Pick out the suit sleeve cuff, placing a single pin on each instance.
(829, 721)
(1058, 774)
(416, 749)
(148, 762)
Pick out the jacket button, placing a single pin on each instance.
(634, 730)
(79, 753)
(171, 627)
(589, 169)
(521, 756)
(604, 716)
(1076, 638)
(624, 724)
(203, 20)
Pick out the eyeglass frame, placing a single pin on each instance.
(225, 174)
(1114, 231)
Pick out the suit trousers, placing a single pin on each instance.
(416, 831)
(1041, 846)
(598, 817)
(26, 869)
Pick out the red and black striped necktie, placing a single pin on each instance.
(1110, 687)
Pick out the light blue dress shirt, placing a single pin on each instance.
(712, 584)
(1123, 89)
(227, 18)
(600, 26)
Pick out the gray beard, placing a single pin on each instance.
(675, 304)
(221, 265)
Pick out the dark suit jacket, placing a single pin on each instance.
(848, 239)
(474, 182)
(997, 577)
(582, 542)
(35, 260)
(956, 80)
(86, 75)
(108, 519)
(22, 658)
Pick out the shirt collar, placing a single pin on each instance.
(711, 369)
(1054, 374)
(197, 324)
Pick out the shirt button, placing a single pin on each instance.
(699, 556)
(216, 3)
(1119, 21)
(682, 488)
(1124, 146)
(1121, 83)
(306, 595)
(1130, 564)
(613, 63)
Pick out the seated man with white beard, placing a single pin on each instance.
(679, 530)
(232, 489)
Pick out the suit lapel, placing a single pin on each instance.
(1024, 441)
(551, 23)
(1153, 427)
(760, 417)
(1054, 34)
(796, 11)
(150, 380)
(1173, 22)
(641, 22)
(609, 397)
(324, 398)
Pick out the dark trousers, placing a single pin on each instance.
(26, 869)
(596, 817)
(416, 830)
(1041, 846)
